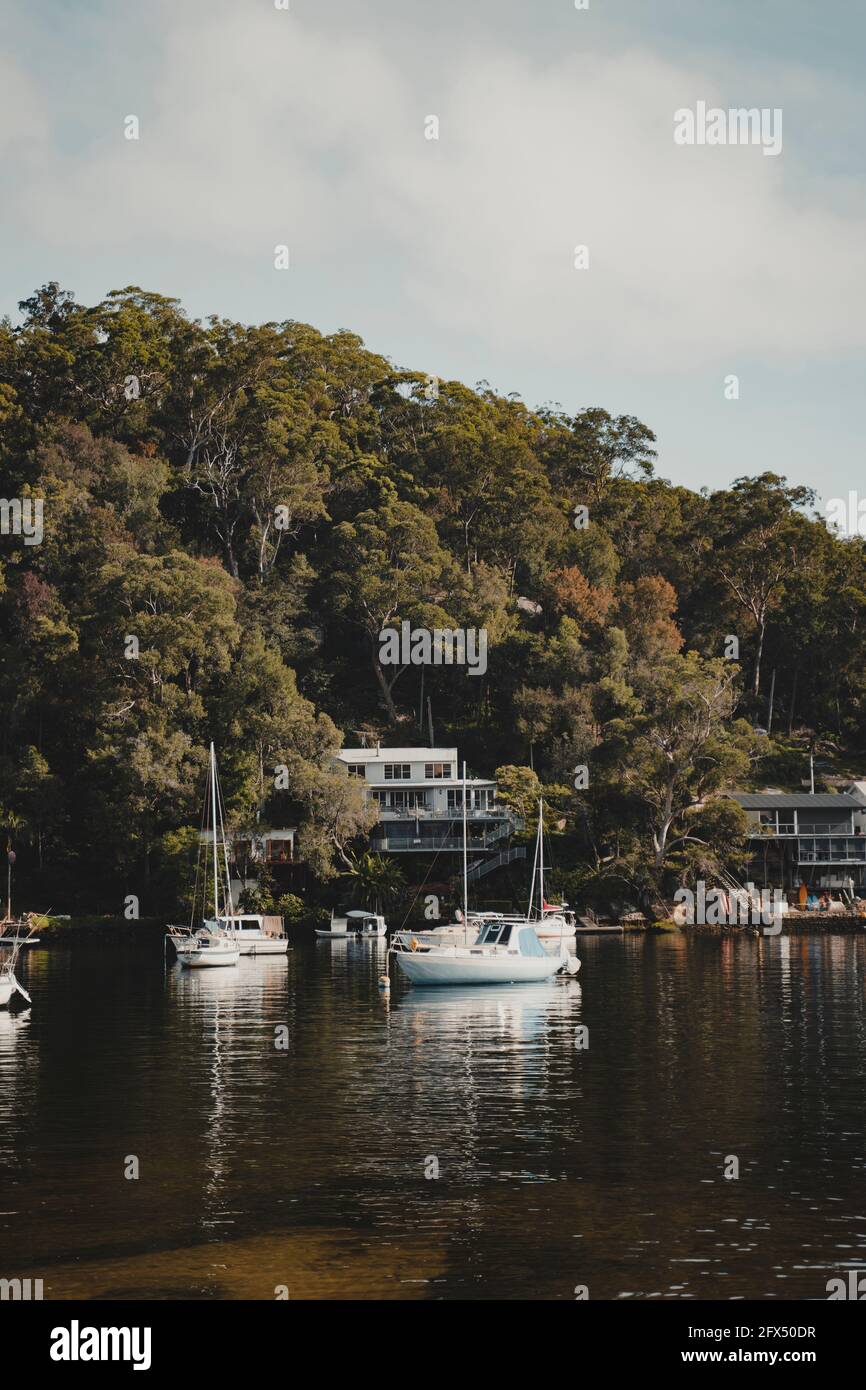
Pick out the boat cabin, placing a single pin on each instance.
(244, 926)
(249, 924)
(517, 939)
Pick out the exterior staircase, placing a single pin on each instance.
(481, 867)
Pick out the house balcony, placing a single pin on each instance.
(823, 850)
(424, 813)
(788, 830)
(444, 831)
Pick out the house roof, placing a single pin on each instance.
(398, 755)
(820, 801)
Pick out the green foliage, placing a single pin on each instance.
(253, 504)
(378, 882)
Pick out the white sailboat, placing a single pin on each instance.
(550, 922)
(210, 946)
(9, 982)
(505, 951)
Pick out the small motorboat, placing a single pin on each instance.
(357, 925)
(247, 932)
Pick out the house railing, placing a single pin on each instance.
(788, 829)
(449, 839)
(453, 813)
(823, 850)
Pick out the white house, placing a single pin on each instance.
(419, 796)
(248, 853)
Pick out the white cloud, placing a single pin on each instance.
(263, 128)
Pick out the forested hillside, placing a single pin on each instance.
(253, 505)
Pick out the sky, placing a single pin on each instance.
(262, 127)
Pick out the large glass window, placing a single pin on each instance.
(437, 771)
(397, 772)
(400, 800)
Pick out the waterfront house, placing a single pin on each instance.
(419, 796)
(266, 847)
(806, 837)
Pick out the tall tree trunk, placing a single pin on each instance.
(384, 689)
(756, 682)
(793, 701)
(232, 560)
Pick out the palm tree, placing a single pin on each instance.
(377, 880)
(11, 822)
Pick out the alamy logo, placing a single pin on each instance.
(742, 907)
(77, 1343)
(422, 646)
(852, 1288)
(847, 517)
(737, 126)
(20, 1290)
(22, 517)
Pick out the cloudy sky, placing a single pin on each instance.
(261, 127)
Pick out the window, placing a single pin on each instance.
(476, 800)
(437, 771)
(495, 934)
(278, 851)
(397, 772)
(357, 769)
(400, 800)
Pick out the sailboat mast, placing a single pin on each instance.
(216, 905)
(532, 879)
(465, 865)
(541, 857)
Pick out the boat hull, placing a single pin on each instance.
(429, 968)
(7, 989)
(208, 958)
(267, 946)
(326, 935)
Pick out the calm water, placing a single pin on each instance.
(261, 1167)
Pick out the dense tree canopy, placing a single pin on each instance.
(233, 513)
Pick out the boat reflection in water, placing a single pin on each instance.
(524, 1014)
(505, 1036)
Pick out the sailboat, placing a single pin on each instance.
(210, 946)
(505, 951)
(9, 983)
(550, 922)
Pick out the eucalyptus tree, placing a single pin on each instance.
(756, 536)
(389, 567)
(678, 749)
